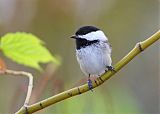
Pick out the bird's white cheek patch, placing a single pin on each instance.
(97, 35)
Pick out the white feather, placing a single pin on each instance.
(95, 58)
(95, 35)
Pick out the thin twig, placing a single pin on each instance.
(30, 85)
(84, 88)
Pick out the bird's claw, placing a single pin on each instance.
(90, 84)
(111, 68)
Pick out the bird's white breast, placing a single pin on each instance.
(93, 59)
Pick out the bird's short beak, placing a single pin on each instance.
(73, 36)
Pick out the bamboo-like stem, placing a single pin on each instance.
(84, 88)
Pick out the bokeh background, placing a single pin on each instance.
(133, 90)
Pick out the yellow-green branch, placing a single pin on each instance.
(84, 88)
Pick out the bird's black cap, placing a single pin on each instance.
(85, 30)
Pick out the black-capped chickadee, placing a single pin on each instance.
(93, 52)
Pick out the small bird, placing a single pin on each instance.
(93, 52)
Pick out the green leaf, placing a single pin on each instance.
(26, 49)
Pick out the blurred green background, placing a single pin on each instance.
(133, 90)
